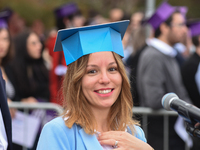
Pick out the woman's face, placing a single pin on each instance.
(4, 42)
(34, 46)
(102, 81)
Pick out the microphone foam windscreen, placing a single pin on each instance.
(166, 100)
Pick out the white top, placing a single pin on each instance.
(180, 47)
(162, 47)
(3, 137)
(105, 147)
(10, 90)
(197, 78)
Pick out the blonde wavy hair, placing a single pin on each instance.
(77, 108)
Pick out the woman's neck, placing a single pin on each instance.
(101, 119)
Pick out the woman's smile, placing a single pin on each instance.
(104, 92)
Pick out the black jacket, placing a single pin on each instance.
(5, 112)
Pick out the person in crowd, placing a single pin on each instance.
(67, 16)
(27, 72)
(16, 23)
(191, 72)
(38, 27)
(132, 31)
(6, 55)
(158, 72)
(136, 20)
(139, 44)
(97, 98)
(116, 14)
(95, 18)
(6, 88)
(5, 118)
(182, 48)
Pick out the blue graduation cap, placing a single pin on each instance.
(76, 42)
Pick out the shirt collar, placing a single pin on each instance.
(163, 47)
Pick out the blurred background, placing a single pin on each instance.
(31, 10)
(34, 74)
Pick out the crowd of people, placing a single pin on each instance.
(161, 54)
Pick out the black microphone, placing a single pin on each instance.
(189, 112)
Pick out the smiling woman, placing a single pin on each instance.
(97, 98)
(102, 82)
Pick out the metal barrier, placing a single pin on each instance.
(143, 111)
(27, 107)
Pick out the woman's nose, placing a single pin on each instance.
(104, 79)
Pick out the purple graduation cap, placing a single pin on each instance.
(183, 10)
(3, 23)
(161, 14)
(194, 28)
(66, 10)
(4, 16)
(6, 13)
(76, 42)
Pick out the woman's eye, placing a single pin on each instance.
(6, 39)
(92, 71)
(113, 69)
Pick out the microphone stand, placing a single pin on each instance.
(195, 132)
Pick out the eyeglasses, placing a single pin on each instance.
(178, 25)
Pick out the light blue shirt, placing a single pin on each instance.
(57, 136)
